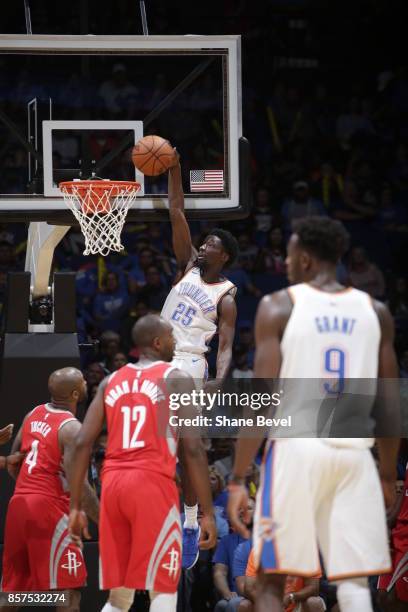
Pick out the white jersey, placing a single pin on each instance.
(332, 336)
(191, 309)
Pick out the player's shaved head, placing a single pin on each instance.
(147, 328)
(153, 335)
(62, 384)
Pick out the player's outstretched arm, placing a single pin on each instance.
(182, 244)
(194, 457)
(389, 404)
(91, 428)
(67, 437)
(268, 325)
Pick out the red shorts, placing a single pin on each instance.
(399, 576)
(139, 531)
(38, 554)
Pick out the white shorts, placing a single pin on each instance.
(315, 495)
(193, 364)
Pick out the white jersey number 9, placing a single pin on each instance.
(335, 366)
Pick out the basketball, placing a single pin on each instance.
(152, 155)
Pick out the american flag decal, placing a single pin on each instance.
(207, 180)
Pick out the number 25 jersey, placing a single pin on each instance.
(191, 309)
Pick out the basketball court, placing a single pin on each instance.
(76, 123)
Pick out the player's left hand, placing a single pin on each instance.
(6, 433)
(78, 527)
(208, 538)
(237, 507)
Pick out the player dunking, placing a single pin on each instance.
(200, 304)
(320, 490)
(140, 534)
(38, 553)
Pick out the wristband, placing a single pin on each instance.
(236, 481)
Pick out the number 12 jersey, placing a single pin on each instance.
(137, 416)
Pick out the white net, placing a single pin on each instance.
(100, 207)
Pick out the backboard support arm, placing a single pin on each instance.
(42, 242)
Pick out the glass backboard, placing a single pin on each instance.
(74, 106)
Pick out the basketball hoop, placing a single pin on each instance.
(100, 207)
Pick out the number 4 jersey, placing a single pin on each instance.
(191, 309)
(38, 553)
(42, 470)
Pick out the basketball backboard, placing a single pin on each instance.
(74, 106)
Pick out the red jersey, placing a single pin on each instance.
(42, 469)
(400, 531)
(137, 416)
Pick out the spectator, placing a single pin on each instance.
(154, 292)
(117, 361)
(109, 346)
(98, 456)
(224, 456)
(391, 215)
(263, 215)
(352, 207)
(300, 205)
(118, 93)
(137, 274)
(223, 571)
(94, 374)
(301, 594)
(271, 258)
(138, 310)
(217, 486)
(248, 252)
(111, 304)
(87, 283)
(241, 367)
(352, 122)
(242, 281)
(328, 186)
(365, 275)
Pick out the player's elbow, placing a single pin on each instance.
(193, 448)
(82, 444)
